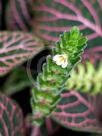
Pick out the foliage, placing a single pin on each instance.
(51, 81)
(0, 12)
(11, 119)
(17, 81)
(15, 48)
(78, 111)
(80, 105)
(19, 15)
(55, 16)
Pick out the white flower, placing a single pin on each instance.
(61, 60)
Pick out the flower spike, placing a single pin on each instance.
(88, 84)
(55, 73)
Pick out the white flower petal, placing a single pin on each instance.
(61, 59)
(55, 58)
(59, 62)
(64, 65)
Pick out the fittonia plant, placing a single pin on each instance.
(56, 71)
(72, 102)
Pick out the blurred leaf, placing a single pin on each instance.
(81, 111)
(19, 15)
(11, 119)
(17, 81)
(0, 13)
(15, 48)
(88, 84)
(55, 16)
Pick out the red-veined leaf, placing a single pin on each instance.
(11, 118)
(81, 111)
(76, 111)
(19, 15)
(55, 16)
(0, 13)
(16, 47)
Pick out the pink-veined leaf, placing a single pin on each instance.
(81, 111)
(19, 15)
(76, 111)
(55, 16)
(0, 13)
(11, 118)
(16, 47)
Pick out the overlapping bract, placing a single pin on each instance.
(50, 82)
(86, 78)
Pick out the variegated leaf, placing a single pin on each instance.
(77, 111)
(19, 15)
(81, 111)
(0, 13)
(11, 118)
(55, 16)
(16, 47)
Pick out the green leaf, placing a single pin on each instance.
(17, 81)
